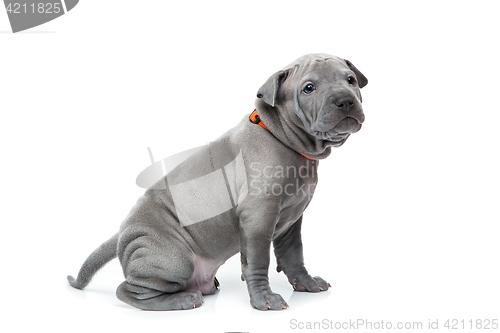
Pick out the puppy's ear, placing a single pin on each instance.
(362, 80)
(269, 90)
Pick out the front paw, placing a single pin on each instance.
(267, 300)
(310, 284)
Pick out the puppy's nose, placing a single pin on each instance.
(343, 103)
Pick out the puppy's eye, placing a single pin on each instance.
(351, 80)
(309, 88)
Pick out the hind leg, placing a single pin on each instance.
(156, 268)
(150, 299)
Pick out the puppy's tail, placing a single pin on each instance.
(97, 259)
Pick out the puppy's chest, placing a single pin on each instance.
(298, 192)
(291, 184)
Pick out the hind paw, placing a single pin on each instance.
(187, 299)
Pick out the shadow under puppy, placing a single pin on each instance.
(240, 193)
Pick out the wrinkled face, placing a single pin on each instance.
(327, 98)
(320, 95)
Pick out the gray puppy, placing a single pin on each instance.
(240, 193)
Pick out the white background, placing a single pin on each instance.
(404, 223)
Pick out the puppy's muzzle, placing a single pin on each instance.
(340, 115)
(351, 116)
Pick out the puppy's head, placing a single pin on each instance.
(320, 94)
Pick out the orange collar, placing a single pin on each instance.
(255, 119)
